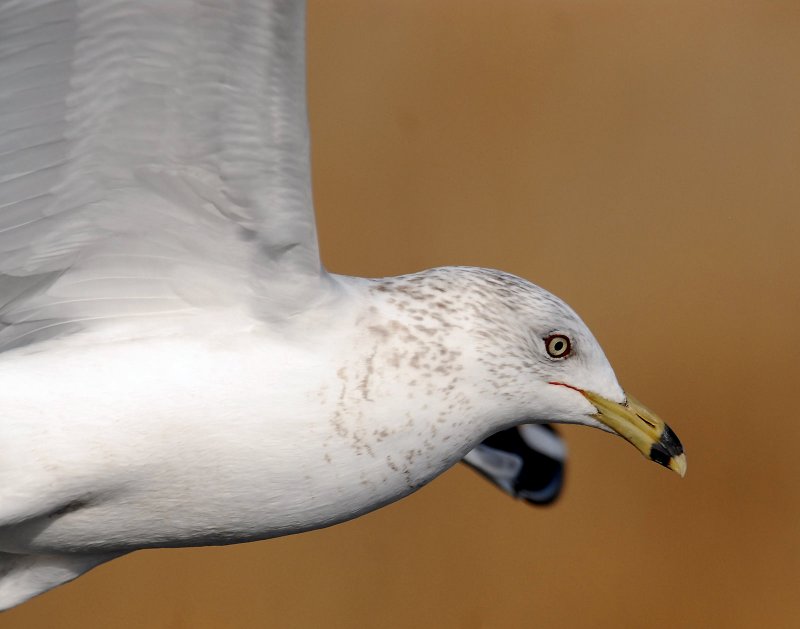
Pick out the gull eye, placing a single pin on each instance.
(558, 346)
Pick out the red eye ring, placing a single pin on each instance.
(558, 346)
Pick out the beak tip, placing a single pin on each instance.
(678, 464)
(669, 452)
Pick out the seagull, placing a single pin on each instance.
(177, 367)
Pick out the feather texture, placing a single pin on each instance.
(153, 158)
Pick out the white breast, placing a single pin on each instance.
(232, 436)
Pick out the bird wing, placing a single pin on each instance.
(154, 158)
(526, 462)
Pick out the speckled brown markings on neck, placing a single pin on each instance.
(445, 339)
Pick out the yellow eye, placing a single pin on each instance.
(558, 346)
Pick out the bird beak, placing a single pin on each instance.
(643, 428)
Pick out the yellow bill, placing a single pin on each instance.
(643, 428)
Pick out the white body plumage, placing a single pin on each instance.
(216, 429)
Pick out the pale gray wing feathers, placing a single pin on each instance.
(153, 157)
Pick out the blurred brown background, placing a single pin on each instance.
(642, 160)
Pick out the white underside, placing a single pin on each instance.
(186, 440)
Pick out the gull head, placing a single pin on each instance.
(574, 383)
(534, 358)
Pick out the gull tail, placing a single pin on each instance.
(526, 462)
(24, 576)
